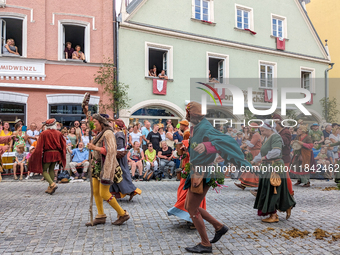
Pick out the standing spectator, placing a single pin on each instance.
(86, 137)
(78, 130)
(169, 137)
(165, 155)
(161, 131)
(80, 158)
(20, 157)
(150, 158)
(68, 50)
(239, 138)
(154, 137)
(6, 131)
(139, 127)
(335, 125)
(129, 129)
(20, 136)
(135, 135)
(335, 137)
(230, 131)
(246, 132)
(183, 127)
(145, 131)
(327, 131)
(73, 137)
(31, 133)
(135, 157)
(31, 150)
(168, 122)
(316, 134)
(83, 127)
(68, 148)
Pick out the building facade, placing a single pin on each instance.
(324, 15)
(39, 82)
(272, 43)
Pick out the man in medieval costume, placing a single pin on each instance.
(106, 170)
(50, 150)
(204, 154)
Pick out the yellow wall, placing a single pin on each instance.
(324, 15)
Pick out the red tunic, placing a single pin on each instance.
(51, 147)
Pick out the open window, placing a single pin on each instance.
(12, 28)
(159, 56)
(77, 34)
(159, 59)
(217, 67)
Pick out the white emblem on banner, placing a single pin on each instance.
(160, 85)
(269, 95)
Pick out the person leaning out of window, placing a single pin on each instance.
(78, 54)
(10, 49)
(68, 51)
(162, 75)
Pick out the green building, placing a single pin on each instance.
(272, 43)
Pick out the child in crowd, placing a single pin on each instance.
(31, 150)
(19, 161)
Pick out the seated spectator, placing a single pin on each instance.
(86, 138)
(153, 71)
(10, 49)
(162, 75)
(161, 132)
(150, 158)
(20, 157)
(135, 158)
(31, 150)
(78, 54)
(166, 156)
(80, 158)
(68, 51)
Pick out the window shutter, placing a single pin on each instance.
(193, 9)
(211, 10)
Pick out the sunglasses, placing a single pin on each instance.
(150, 145)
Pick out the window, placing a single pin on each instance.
(77, 33)
(12, 28)
(217, 67)
(267, 74)
(11, 111)
(203, 10)
(159, 56)
(279, 26)
(244, 17)
(68, 113)
(307, 78)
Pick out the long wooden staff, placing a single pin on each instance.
(85, 105)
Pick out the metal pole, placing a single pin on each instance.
(326, 90)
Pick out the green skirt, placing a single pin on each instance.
(268, 202)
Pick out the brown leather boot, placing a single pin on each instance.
(98, 220)
(297, 183)
(273, 218)
(122, 219)
(49, 190)
(52, 188)
(288, 212)
(239, 186)
(306, 185)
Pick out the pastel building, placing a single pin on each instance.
(40, 82)
(268, 41)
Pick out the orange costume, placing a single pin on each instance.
(178, 209)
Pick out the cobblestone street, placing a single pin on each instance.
(33, 222)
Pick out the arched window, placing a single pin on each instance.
(154, 114)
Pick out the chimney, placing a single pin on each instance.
(303, 3)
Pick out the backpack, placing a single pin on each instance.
(148, 175)
(63, 174)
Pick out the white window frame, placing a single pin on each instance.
(268, 63)
(223, 57)
(24, 29)
(211, 10)
(250, 16)
(156, 46)
(284, 25)
(312, 77)
(61, 37)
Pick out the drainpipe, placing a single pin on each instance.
(326, 87)
(115, 46)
